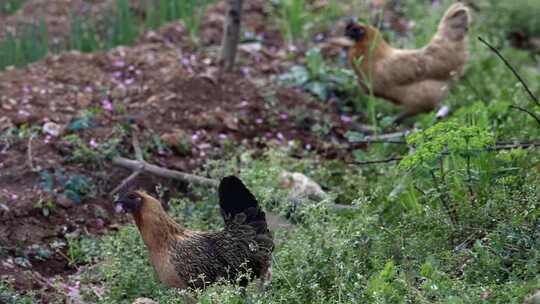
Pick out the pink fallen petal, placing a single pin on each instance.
(106, 105)
(346, 119)
(119, 63)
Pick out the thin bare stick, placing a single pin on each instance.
(163, 172)
(379, 161)
(533, 97)
(381, 141)
(139, 156)
(499, 144)
(496, 148)
(514, 146)
(29, 155)
(131, 177)
(388, 136)
(527, 111)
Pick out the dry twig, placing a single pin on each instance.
(533, 97)
(139, 165)
(498, 147)
(492, 48)
(30, 155)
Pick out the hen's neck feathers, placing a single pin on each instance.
(157, 228)
(373, 45)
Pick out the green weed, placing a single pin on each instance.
(9, 7)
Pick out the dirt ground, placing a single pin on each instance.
(160, 85)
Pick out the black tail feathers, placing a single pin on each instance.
(235, 198)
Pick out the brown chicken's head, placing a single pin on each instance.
(129, 202)
(355, 31)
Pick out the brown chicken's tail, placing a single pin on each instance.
(455, 23)
(235, 198)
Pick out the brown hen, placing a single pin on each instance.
(417, 79)
(184, 258)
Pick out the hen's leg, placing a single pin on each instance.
(264, 280)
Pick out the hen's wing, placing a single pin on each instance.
(206, 257)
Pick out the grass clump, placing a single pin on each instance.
(8, 7)
(119, 26)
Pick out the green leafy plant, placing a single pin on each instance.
(75, 187)
(85, 121)
(445, 138)
(46, 206)
(318, 78)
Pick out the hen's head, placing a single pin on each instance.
(129, 202)
(354, 31)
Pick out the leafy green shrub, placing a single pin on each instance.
(318, 78)
(75, 186)
(92, 153)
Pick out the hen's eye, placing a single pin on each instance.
(132, 196)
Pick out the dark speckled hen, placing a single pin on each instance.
(184, 258)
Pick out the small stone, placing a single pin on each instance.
(144, 301)
(301, 186)
(52, 129)
(534, 298)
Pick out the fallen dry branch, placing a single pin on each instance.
(143, 166)
(139, 165)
